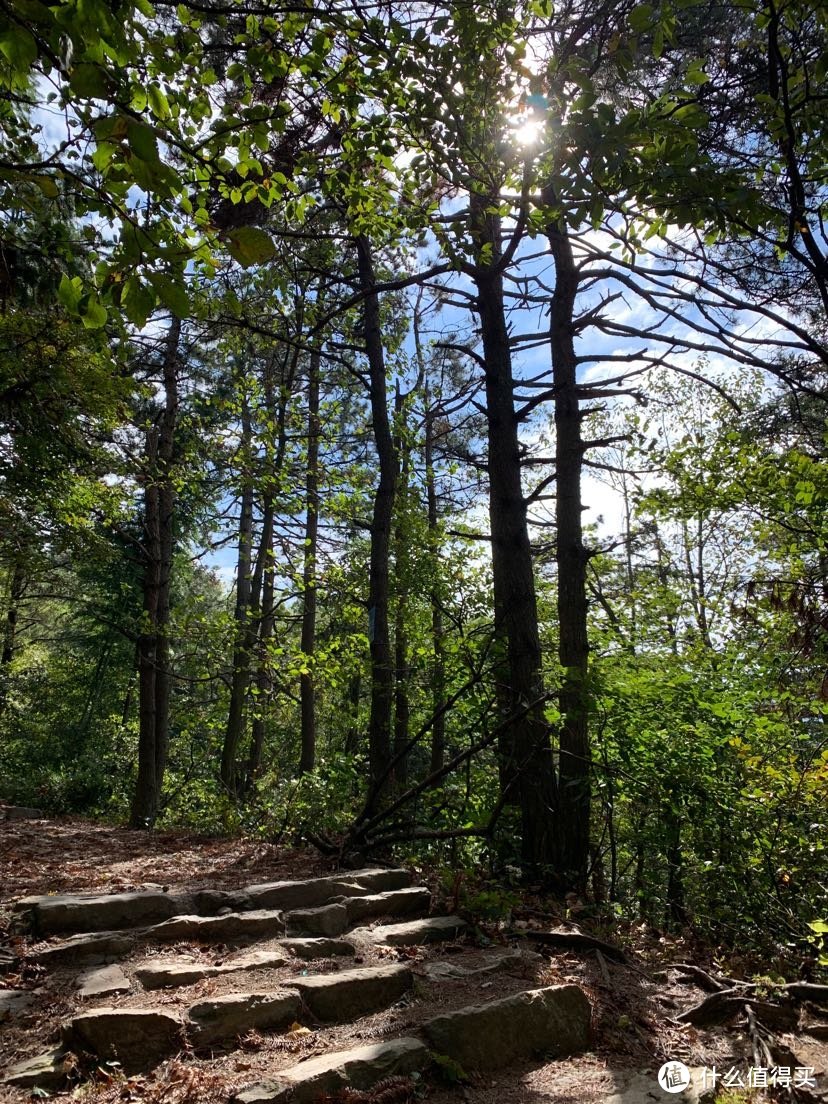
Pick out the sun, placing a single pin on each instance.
(527, 132)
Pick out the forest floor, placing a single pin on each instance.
(635, 1028)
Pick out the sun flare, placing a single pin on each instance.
(527, 132)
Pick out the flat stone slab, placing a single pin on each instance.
(435, 929)
(318, 891)
(343, 997)
(66, 912)
(317, 948)
(328, 920)
(104, 981)
(502, 960)
(212, 1021)
(138, 1038)
(413, 901)
(643, 1088)
(173, 973)
(258, 924)
(13, 1002)
(360, 1068)
(94, 947)
(44, 1071)
(553, 1021)
(90, 912)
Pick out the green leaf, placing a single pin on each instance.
(142, 142)
(70, 292)
(19, 47)
(137, 301)
(48, 185)
(172, 294)
(641, 17)
(95, 315)
(249, 245)
(159, 105)
(90, 81)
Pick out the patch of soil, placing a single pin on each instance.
(72, 855)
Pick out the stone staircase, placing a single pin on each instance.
(321, 957)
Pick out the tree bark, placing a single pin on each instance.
(402, 709)
(156, 554)
(573, 649)
(240, 675)
(438, 677)
(382, 675)
(307, 692)
(526, 757)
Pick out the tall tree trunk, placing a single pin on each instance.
(402, 709)
(264, 682)
(382, 675)
(307, 691)
(239, 678)
(573, 650)
(527, 770)
(258, 625)
(156, 556)
(438, 676)
(17, 584)
(166, 549)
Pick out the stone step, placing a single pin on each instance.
(64, 913)
(90, 947)
(43, 1071)
(317, 948)
(345, 996)
(318, 891)
(499, 960)
(554, 1022)
(138, 1038)
(233, 926)
(103, 981)
(177, 972)
(213, 1021)
(360, 1068)
(14, 1002)
(412, 901)
(330, 920)
(435, 929)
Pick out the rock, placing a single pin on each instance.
(360, 1068)
(98, 947)
(20, 812)
(816, 1030)
(643, 1088)
(553, 1021)
(44, 1071)
(327, 920)
(89, 913)
(415, 901)
(318, 891)
(316, 948)
(105, 981)
(169, 973)
(258, 924)
(213, 902)
(138, 1038)
(225, 1017)
(435, 929)
(342, 997)
(13, 1002)
(502, 960)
